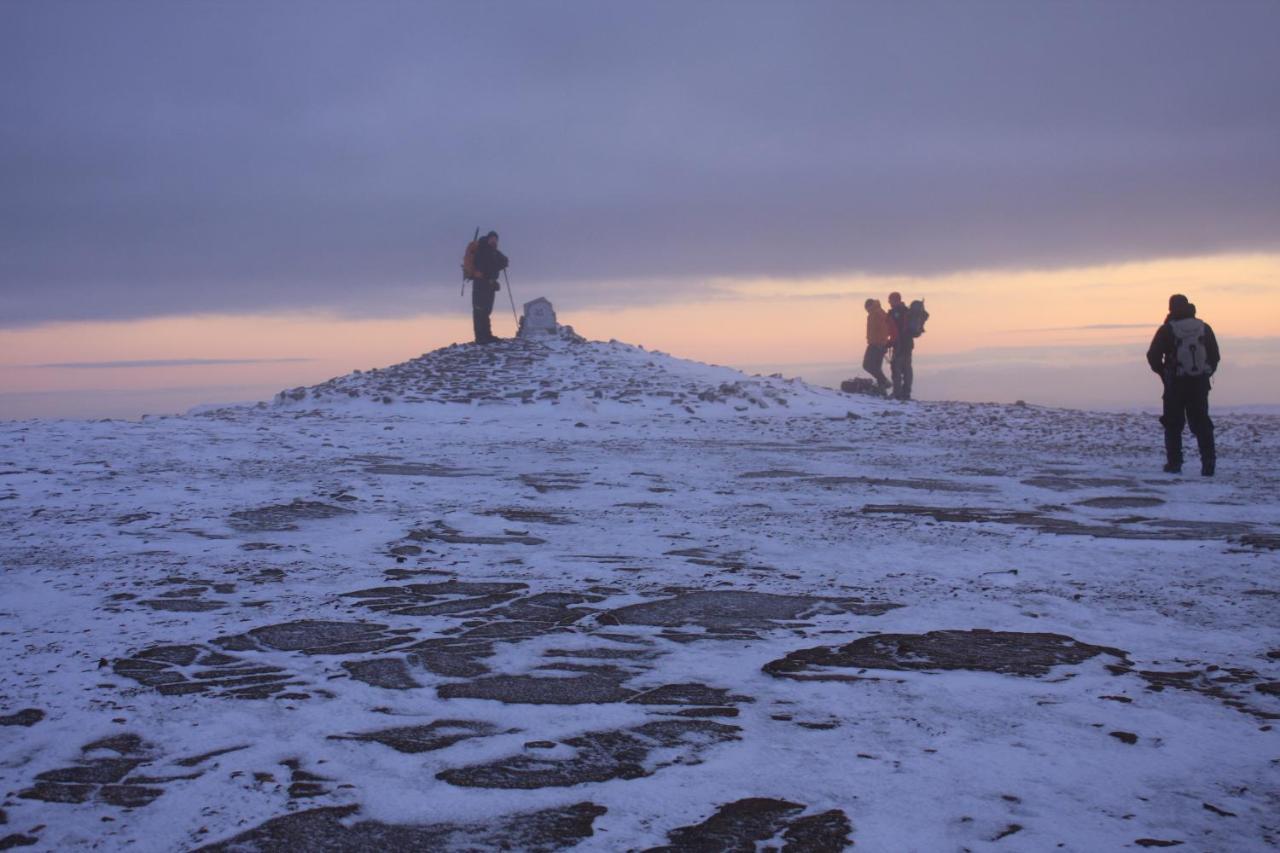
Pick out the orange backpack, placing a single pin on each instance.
(469, 271)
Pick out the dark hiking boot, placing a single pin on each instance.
(1207, 467)
(1173, 467)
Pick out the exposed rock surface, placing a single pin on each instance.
(329, 830)
(600, 756)
(1009, 652)
(745, 824)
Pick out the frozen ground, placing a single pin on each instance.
(547, 595)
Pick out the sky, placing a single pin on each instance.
(206, 201)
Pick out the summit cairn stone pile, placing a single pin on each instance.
(550, 364)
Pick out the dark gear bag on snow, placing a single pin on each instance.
(861, 385)
(916, 317)
(1189, 353)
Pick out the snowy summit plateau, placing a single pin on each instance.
(551, 594)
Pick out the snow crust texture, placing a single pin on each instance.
(556, 594)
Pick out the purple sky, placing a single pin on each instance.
(174, 157)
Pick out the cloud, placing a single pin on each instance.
(165, 362)
(1095, 327)
(163, 158)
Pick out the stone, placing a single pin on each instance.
(425, 738)
(329, 830)
(737, 610)
(534, 690)
(26, 717)
(100, 779)
(1007, 652)
(539, 318)
(735, 826)
(743, 825)
(599, 757)
(183, 605)
(180, 669)
(390, 673)
(1121, 502)
(316, 637)
(285, 516)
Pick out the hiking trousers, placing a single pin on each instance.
(873, 363)
(900, 369)
(1186, 403)
(482, 293)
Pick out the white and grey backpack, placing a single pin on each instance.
(1190, 357)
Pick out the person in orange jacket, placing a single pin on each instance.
(879, 337)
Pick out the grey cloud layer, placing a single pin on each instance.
(177, 157)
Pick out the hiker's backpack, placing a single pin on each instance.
(861, 385)
(469, 271)
(916, 317)
(1189, 356)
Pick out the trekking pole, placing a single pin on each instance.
(507, 282)
(463, 291)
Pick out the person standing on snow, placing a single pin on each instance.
(903, 343)
(1184, 353)
(489, 264)
(879, 336)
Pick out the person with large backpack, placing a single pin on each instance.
(482, 265)
(879, 336)
(907, 324)
(1184, 354)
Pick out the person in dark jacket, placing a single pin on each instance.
(489, 264)
(1184, 353)
(903, 344)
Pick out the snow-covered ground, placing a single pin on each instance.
(565, 593)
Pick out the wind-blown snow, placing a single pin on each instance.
(496, 582)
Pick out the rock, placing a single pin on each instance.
(390, 673)
(102, 779)
(538, 318)
(316, 637)
(599, 756)
(1008, 652)
(736, 610)
(285, 516)
(743, 825)
(26, 717)
(426, 738)
(330, 829)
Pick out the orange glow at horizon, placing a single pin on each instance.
(740, 322)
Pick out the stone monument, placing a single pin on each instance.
(539, 319)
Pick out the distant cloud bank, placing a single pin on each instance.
(165, 362)
(164, 158)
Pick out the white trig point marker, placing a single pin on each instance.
(539, 319)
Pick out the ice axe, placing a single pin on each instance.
(507, 282)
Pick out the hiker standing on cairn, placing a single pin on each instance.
(879, 336)
(486, 265)
(1184, 352)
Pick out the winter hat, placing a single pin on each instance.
(491, 234)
